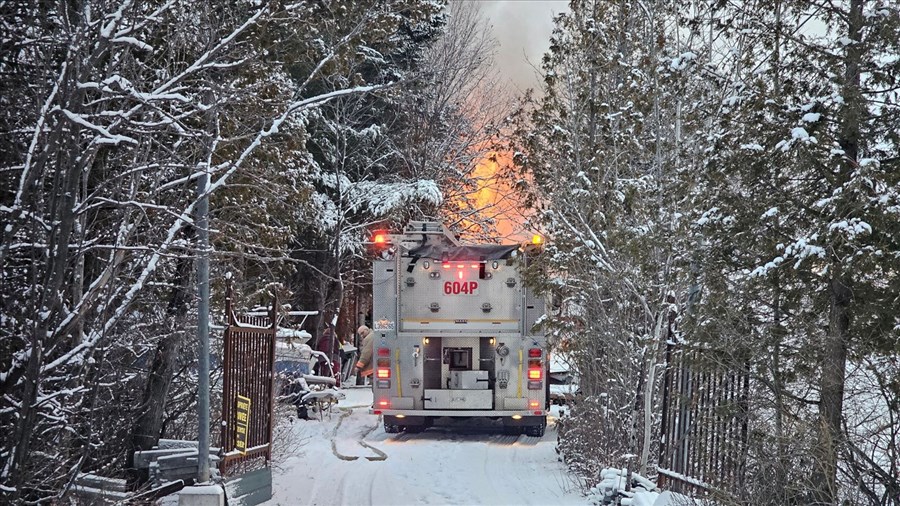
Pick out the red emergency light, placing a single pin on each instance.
(534, 352)
(380, 238)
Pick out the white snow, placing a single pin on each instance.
(865, 162)
(811, 117)
(108, 138)
(851, 228)
(439, 466)
(643, 492)
(799, 133)
(134, 42)
(682, 61)
(286, 333)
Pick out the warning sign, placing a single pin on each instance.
(242, 415)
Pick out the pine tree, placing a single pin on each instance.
(796, 221)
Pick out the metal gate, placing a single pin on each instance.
(248, 392)
(704, 423)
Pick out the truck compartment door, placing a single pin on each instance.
(459, 399)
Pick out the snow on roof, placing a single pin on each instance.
(561, 362)
(300, 335)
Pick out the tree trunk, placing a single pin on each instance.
(831, 400)
(836, 344)
(146, 431)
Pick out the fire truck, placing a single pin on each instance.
(456, 332)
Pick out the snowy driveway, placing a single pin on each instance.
(439, 466)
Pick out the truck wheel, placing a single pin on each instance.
(391, 428)
(535, 430)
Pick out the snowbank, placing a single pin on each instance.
(643, 492)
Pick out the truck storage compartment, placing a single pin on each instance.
(469, 380)
(459, 399)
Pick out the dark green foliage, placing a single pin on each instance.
(734, 166)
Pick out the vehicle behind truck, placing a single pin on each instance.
(455, 333)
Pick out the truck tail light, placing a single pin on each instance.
(383, 373)
(384, 352)
(533, 374)
(533, 404)
(534, 353)
(384, 403)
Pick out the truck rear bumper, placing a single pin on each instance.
(456, 413)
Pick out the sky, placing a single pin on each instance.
(522, 29)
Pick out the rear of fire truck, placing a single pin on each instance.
(455, 333)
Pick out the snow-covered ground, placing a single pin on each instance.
(475, 465)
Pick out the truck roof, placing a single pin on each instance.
(467, 253)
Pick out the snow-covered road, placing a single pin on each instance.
(439, 466)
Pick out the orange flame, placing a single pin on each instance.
(496, 199)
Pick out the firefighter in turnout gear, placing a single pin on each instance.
(364, 364)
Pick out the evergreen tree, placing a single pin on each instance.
(598, 155)
(797, 225)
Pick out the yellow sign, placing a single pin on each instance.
(242, 415)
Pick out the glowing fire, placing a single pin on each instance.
(496, 199)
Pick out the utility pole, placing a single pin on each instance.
(203, 327)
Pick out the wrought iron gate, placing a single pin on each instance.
(248, 392)
(704, 423)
